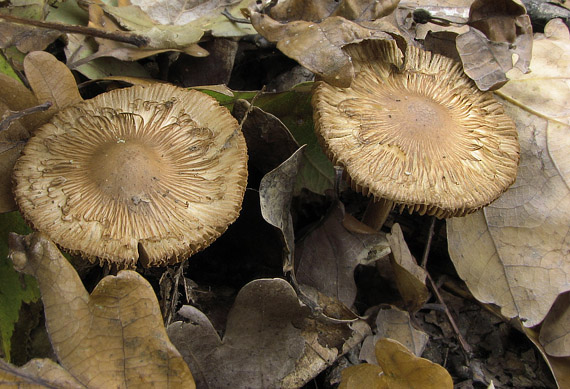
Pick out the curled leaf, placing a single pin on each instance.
(318, 46)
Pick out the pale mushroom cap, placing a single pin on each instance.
(417, 132)
(159, 170)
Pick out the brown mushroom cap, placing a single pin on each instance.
(159, 171)
(417, 132)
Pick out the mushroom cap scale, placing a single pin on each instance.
(417, 132)
(157, 170)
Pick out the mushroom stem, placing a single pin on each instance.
(377, 212)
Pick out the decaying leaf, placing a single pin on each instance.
(395, 324)
(269, 342)
(170, 25)
(37, 373)
(399, 368)
(276, 192)
(113, 337)
(261, 344)
(327, 257)
(499, 39)
(514, 253)
(51, 80)
(294, 109)
(25, 38)
(316, 11)
(410, 278)
(555, 330)
(318, 46)
(559, 366)
(269, 142)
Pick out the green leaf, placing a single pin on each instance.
(15, 288)
(6, 69)
(294, 109)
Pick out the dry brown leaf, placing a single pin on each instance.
(111, 338)
(514, 253)
(14, 97)
(170, 25)
(555, 330)
(275, 195)
(395, 324)
(318, 46)
(261, 343)
(399, 369)
(327, 257)
(316, 11)
(500, 39)
(560, 367)
(37, 373)
(25, 38)
(51, 80)
(410, 278)
(269, 342)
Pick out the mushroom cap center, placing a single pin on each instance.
(126, 169)
(420, 116)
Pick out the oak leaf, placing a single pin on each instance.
(399, 369)
(111, 338)
(514, 253)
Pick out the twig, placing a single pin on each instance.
(5, 123)
(466, 347)
(119, 36)
(428, 243)
(233, 19)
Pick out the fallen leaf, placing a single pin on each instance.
(261, 344)
(555, 330)
(24, 37)
(269, 142)
(399, 368)
(270, 340)
(410, 278)
(51, 80)
(294, 109)
(317, 46)
(520, 261)
(113, 337)
(14, 97)
(395, 324)
(170, 25)
(275, 194)
(560, 367)
(327, 257)
(316, 11)
(37, 373)
(15, 288)
(499, 39)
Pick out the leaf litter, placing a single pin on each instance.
(290, 202)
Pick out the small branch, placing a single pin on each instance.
(5, 123)
(466, 347)
(233, 19)
(119, 36)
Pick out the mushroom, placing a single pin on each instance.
(417, 133)
(146, 173)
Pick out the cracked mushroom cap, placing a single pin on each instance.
(417, 131)
(152, 173)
